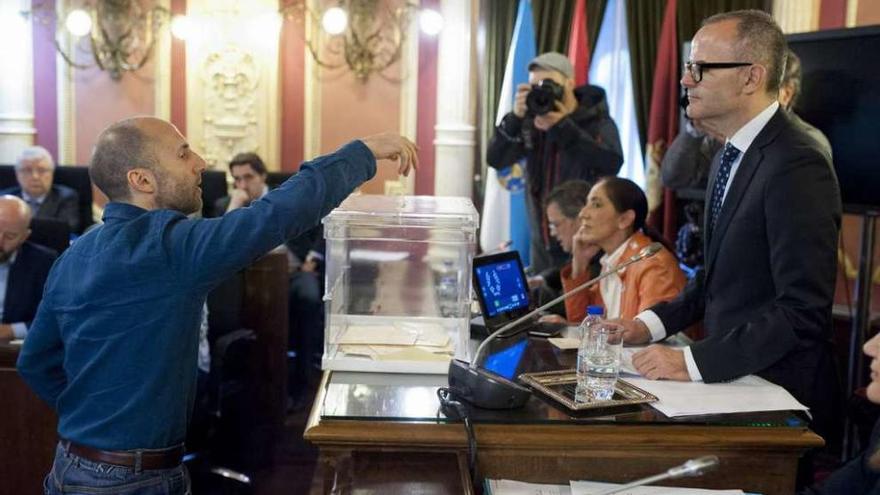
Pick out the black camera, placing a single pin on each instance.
(543, 97)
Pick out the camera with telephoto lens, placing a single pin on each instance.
(543, 97)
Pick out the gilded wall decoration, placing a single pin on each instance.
(231, 80)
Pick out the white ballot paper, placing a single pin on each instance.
(593, 487)
(510, 487)
(747, 394)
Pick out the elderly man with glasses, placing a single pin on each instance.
(35, 172)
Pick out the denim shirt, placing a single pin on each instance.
(113, 347)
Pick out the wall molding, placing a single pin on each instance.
(162, 63)
(66, 98)
(312, 107)
(232, 81)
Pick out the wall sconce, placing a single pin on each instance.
(364, 35)
(120, 33)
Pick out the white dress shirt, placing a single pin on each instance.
(742, 140)
(610, 286)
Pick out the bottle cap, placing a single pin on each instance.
(595, 309)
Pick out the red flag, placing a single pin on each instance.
(578, 44)
(663, 123)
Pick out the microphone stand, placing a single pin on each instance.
(693, 467)
(646, 252)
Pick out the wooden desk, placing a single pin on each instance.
(27, 431)
(376, 414)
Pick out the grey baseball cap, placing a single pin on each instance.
(553, 61)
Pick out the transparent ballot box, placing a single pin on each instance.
(398, 281)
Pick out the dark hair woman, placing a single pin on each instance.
(613, 221)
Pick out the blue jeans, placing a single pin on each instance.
(74, 475)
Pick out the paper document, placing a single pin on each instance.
(747, 394)
(626, 360)
(565, 343)
(379, 256)
(510, 487)
(593, 487)
(376, 334)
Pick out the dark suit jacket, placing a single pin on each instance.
(219, 207)
(24, 287)
(62, 203)
(766, 291)
(856, 477)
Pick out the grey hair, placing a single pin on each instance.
(758, 34)
(32, 153)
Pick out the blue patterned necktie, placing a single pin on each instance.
(34, 204)
(728, 156)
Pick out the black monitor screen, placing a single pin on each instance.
(502, 287)
(840, 95)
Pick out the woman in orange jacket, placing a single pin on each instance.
(613, 221)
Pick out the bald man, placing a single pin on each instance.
(113, 348)
(24, 267)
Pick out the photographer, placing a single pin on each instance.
(564, 133)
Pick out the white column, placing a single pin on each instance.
(797, 16)
(455, 132)
(17, 83)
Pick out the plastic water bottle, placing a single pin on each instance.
(594, 316)
(595, 313)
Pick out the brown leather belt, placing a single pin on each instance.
(150, 459)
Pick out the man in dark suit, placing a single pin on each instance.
(248, 183)
(772, 218)
(306, 257)
(24, 268)
(35, 172)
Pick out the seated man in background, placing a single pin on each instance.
(35, 172)
(24, 267)
(562, 206)
(248, 183)
(613, 222)
(306, 255)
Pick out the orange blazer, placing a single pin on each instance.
(644, 283)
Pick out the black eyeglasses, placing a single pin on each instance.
(695, 69)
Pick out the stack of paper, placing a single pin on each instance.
(593, 488)
(747, 394)
(510, 487)
(399, 341)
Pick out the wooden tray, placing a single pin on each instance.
(560, 386)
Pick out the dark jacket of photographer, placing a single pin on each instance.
(583, 145)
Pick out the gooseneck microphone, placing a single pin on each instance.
(488, 390)
(693, 467)
(646, 252)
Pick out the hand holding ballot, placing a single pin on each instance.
(391, 146)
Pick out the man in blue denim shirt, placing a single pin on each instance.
(114, 344)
